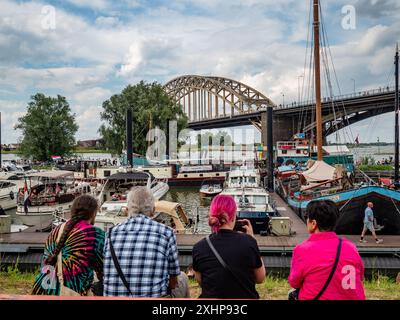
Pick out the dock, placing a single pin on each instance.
(27, 246)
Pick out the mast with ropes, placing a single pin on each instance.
(318, 112)
(396, 108)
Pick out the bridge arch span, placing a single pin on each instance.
(204, 97)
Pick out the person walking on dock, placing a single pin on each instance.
(325, 267)
(140, 254)
(369, 224)
(227, 264)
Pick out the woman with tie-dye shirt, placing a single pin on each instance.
(81, 247)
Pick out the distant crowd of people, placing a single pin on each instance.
(385, 161)
(139, 257)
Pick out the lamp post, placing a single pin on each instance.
(283, 99)
(298, 87)
(354, 85)
(0, 144)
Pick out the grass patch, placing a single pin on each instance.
(42, 168)
(90, 150)
(13, 281)
(276, 288)
(375, 167)
(379, 287)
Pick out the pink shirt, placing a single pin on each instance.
(312, 263)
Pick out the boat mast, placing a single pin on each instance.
(396, 108)
(317, 80)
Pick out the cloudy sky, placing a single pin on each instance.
(88, 50)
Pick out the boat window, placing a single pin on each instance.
(251, 179)
(244, 200)
(284, 151)
(185, 175)
(259, 200)
(200, 174)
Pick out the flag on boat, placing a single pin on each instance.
(56, 158)
(26, 197)
(357, 141)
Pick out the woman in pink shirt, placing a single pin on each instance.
(313, 260)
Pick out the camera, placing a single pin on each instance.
(239, 226)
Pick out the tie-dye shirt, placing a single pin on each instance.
(82, 255)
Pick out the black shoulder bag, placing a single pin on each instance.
(294, 295)
(116, 264)
(222, 262)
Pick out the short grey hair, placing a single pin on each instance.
(140, 200)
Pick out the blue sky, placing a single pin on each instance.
(97, 47)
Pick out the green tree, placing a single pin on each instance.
(48, 128)
(150, 104)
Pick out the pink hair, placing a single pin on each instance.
(222, 210)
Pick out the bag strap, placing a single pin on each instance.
(59, 257)
(332, 271)
(222, 262)
(116, 263)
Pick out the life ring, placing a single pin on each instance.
(305, 152)
(12, 196)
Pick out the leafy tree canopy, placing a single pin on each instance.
(48, 128)
(150, 105)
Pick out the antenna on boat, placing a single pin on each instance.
(129, 144)
(0, 144)
(317, 67)
(396, 108)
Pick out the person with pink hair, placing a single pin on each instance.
(227, 264)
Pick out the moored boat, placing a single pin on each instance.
(49, 191)
(252, 199)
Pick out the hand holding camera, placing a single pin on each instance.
(244, 226)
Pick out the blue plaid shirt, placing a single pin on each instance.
(147, 253)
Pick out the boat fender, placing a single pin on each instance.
(12, 196)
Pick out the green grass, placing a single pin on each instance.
(89, 150)
(276, 288)
(379, 287)
(42, 167)
(376, 167)
(10, 152)
(13, 281)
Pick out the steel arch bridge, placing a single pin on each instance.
(205, 98)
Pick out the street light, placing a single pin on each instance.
(298, 87)
(283, 99)
(354, 85)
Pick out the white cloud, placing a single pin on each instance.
(93, 4)
(87, 58)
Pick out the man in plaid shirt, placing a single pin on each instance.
(146, 251)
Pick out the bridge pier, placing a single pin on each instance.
(284, 127)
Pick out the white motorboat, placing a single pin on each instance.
(8, 194)
(210, 188)
(252, 199)
(118, 185)
(49, 191)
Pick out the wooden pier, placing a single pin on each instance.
(27, 246)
